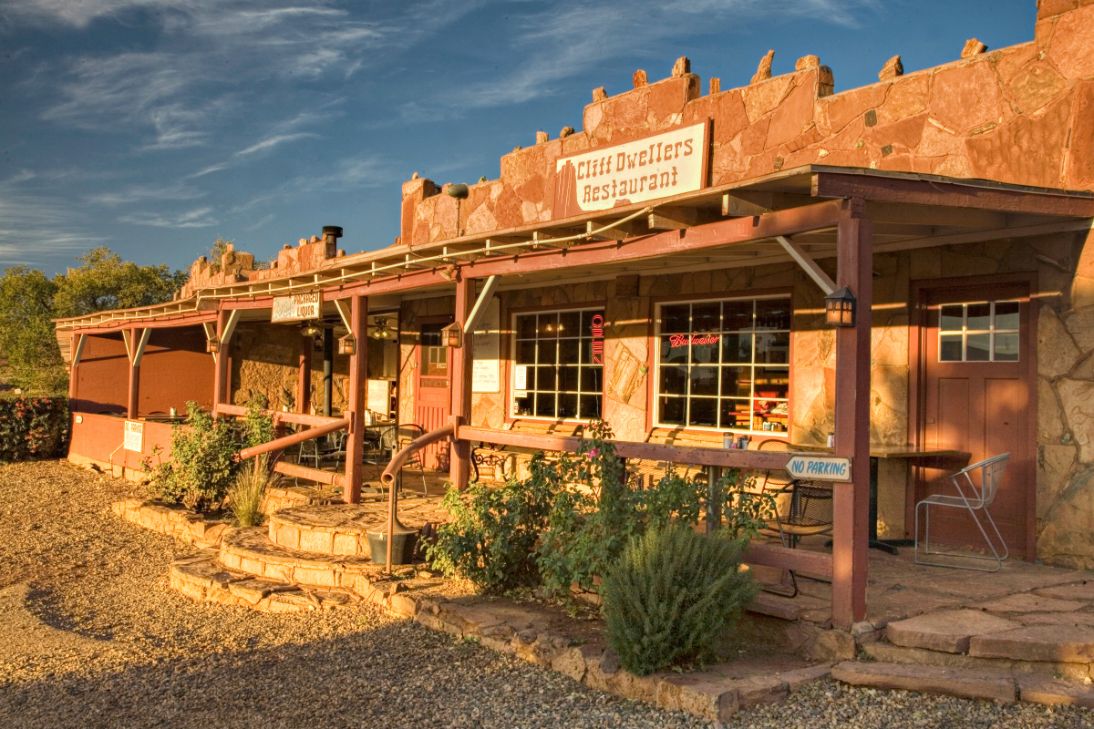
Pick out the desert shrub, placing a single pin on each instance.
(245, 494)
(745, 509)
(202, 464)
(492, 535)
(33, 427)
(256, 427)
(671, 596)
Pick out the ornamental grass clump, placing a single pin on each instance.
(672, 596)
(247, 491)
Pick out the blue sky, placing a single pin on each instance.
(157, 126)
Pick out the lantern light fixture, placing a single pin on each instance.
(452, 335)
(212, 345)
(839, 308)
(347, 345)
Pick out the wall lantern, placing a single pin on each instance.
(347, 345)
(212, 345)
(839, 308)
(452, 335)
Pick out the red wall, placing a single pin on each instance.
(102, 377)
(99, 437)
(175, 368)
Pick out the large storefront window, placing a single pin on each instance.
(558, 364)
(724, 364)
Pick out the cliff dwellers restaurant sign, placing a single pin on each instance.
(296, 307)
(646, 169)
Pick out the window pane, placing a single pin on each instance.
(736, 315)
(591, 379)
(569, 324)
(526, 326)
(522, 406)
(949, 348)
(704, 412)
(674, 380)
(773, 348)
(545, 378)
(675, 318)
(1006, 347)
(548, 325)
(567, 378)
(545, 404)
(548, 350)
(1006, 315)
(587, 320)
(978, 348)
(674, 348)
(704, 381)
(736, 414)
(705, 317)
(736, 348)
(772, 382)
(737, 381)
(567, 405)
(704, 348)
(773, 314)
(979, 317)
(569, 351)
(590, 407)
(526, 352)
(672, 410)
(952, 318)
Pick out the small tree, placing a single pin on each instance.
(26, 330)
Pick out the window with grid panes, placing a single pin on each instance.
(983, 331)
(724, 364)
(554, 375)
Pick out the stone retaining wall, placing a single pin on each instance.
(183, 525)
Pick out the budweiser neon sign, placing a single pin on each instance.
(683, 340)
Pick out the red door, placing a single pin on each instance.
(433, 398)
(976, 397)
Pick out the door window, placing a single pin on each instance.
(978, 331)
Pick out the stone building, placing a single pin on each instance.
(665, 267)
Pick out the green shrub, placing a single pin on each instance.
(202, 463)
(671, 597)
(33, 427)
(245, 495)
(746, 510)
(492, 536)
(256, 427)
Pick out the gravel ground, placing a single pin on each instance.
(90, 636)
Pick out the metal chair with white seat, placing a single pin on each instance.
(975, 500)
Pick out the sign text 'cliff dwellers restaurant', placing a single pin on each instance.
(871, 288)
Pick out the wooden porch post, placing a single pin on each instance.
(303, 377)
(358, 374)
(134, 350)
(851, 501)
(459, 472)
(220, 363)
(78, 343)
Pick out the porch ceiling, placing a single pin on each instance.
(909, 211)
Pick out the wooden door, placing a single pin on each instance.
(433, 396)
(976, 369)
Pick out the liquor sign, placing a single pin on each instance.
(295, 307)
(646, 169)
(819, 468)
(597, 326)
(134, 436)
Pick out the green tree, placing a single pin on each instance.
(26, 331)
(105, 281)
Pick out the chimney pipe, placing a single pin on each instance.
(331, 234)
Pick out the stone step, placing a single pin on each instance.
(963, 682)
(288, 497)
(341, 530)
(203, 578)
(250, 552)
(886, 652)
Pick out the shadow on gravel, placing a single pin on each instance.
(401, 675)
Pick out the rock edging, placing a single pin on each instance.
(185, 526)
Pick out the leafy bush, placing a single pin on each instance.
(245, 495)
(671, 596)
(33, 427)
(492, 536)
(202, 463)
(256, 427)
(746, 510)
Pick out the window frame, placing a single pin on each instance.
(655, 371)
(514, 342)
(949, 334)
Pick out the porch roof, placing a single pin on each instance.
(716, 227)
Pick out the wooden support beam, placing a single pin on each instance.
(815, 272)
(78, 342)
(605, 230)
(933, 215)
(851, 501)
(303, 375)
(672, 218)
(358, 385)
(462, 358)
(744, 203)
(481, 302)
(220, 362)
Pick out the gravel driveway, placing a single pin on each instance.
(90, 636)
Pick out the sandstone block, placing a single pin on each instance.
(404, 605)
(947, 630)
(1027, 602)
(571, 663)
(962, 682)
(1038, 643)
(1054, 691)
(316, 541)
(893, 67)
(709, 699)
(763, 70)
(1077, 591)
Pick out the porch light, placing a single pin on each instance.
(212, 345)
(839, 308)
(347, 345)
(452, 335)
(310, 329)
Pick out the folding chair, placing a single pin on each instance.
(977, 501)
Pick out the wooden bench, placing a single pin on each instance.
(500, 462)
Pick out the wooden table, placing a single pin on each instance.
(912, 455)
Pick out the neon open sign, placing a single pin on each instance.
(597, 324)
(683, 340)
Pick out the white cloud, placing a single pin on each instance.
(145, 193)
(271, 142)
(197, 218)
(35, 224)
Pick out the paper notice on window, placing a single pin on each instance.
(520, 378)
(486, 341)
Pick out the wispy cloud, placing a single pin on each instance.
(197, 218)
(36, 224)
(145, 193)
